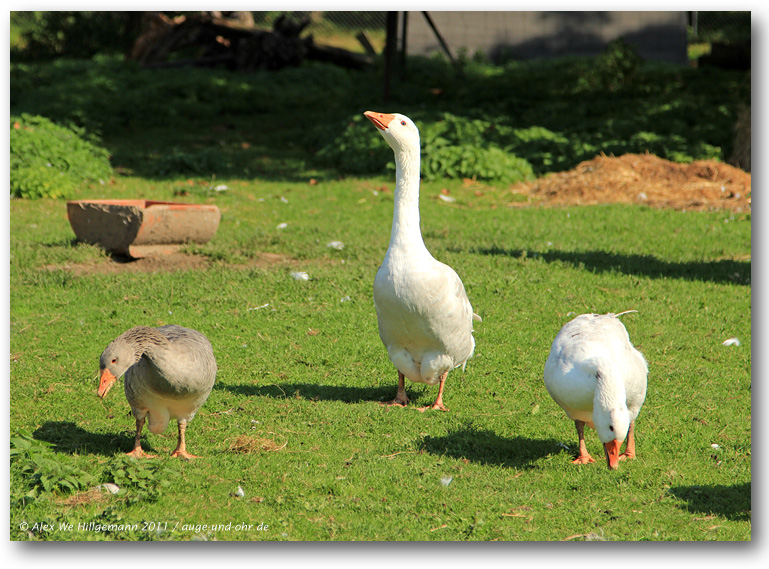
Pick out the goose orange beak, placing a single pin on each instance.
(380, 120)
(612, 453)
(105, 383)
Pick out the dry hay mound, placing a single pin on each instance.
(247, 444)
(646, 179)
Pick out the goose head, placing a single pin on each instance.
(398, 130)
(114, 362)
(612, 426)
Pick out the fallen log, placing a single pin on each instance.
(208, 39)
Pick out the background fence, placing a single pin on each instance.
(81, 34)
(719, 27)
(337, 28)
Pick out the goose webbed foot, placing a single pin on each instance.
(439, 406)
(139, 453)
(181, 453)
(583, 459)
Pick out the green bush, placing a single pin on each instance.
(47, 35)
(613, 69)
(460, 147)
(358, 149)
(452, 147)
(49, 160)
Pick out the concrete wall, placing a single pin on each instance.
(657, 36)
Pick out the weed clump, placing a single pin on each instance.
(49, 160)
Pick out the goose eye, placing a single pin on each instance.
(403, 123)
(114, 361)
(611, 428)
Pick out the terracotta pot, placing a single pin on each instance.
(141, 228)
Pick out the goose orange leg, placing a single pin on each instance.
(401, 399)
(181, 448)
(438, 400)
(630, 445)
(137, 451)
(584, 456)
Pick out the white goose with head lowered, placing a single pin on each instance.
(425, 318)
(596, 375)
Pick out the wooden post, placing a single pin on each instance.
(404, 31)
(390, 49)
(439, 37)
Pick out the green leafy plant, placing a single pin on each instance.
(43, 469)
(452, 147)
(357, 149)
(613, 69)
(460, 147)
(50, 160)
(142, 480)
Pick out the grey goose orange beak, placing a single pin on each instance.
(380, 120)
(105, 383)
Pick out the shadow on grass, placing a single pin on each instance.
(723, 271)
(312, 392)
(487, 447)
(732, 501)
(64, 243)
(68, 438)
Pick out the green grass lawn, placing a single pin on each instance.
(294, 418)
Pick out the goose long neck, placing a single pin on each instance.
(145, 341)
(609, 393)
(405, 229)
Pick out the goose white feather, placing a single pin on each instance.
(599, 379)
(425, 318)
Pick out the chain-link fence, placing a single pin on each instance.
(343, 28)
(80, 34)
(719, 27)
(348, 30)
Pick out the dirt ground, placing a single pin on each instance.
(161, 263)
(644, 179)
(631, 178)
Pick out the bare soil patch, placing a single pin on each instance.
(164, 263)
(644, 179)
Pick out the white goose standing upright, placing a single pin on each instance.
(596, 375)
(425, 318)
